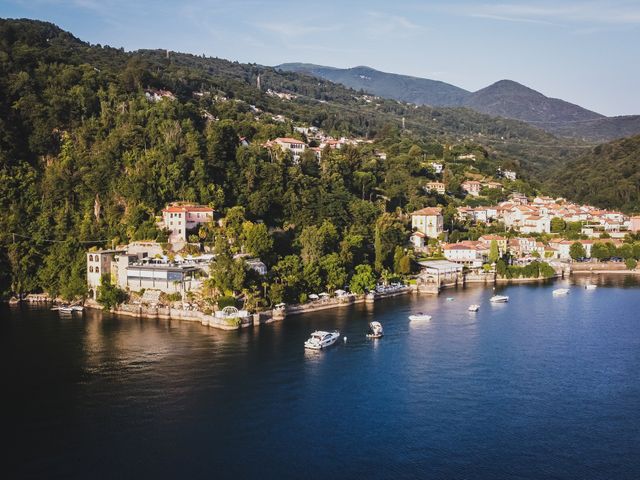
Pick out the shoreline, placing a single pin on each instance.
(274, 315)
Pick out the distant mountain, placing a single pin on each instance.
(504, 98)
(510, 99)
(420, 91)
(607, 176)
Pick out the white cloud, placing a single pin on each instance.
(593, 12)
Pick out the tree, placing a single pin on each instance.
(501, 268)
(256, 239)
(110, 296)
(557, 225)
(631, 263)
(334, 272)
(577, 251)
(226, 274)
(494, 251)
(599, 251)
(363, 280)
(316, 241)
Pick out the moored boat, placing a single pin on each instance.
(590, 286)
(560, 292)
(499, 299)
(474, 308)
(375, 330)
(321, 339)
(419, 316)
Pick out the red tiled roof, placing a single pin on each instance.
(187, 208)
(428, 211)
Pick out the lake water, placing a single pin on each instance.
(541, 387)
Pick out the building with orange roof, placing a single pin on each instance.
(179, 218)
(428, 221)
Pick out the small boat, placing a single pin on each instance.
(419, 316)
(77, 308)
(375, 330)
(474, 308)
(560, 292)
(321, 339)
(499, 299)
(450, 299)
(590, 286)
(66, 309)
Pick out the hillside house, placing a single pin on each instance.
(435, 186)
(472, 187)
(428, 221)
(180, 219)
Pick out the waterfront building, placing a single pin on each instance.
(471, 253)
(98, 264)
(166, 277)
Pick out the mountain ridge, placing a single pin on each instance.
(504, 98)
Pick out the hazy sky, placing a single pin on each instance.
(586, 52)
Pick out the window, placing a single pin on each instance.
(97, 269)
(91, 258)
(90, 269)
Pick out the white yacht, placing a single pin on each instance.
(474, 308)
(375, 330)
(419, 316)
(590, 286)
(321, 339)
(499, 299)
(560, 292)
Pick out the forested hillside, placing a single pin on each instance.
(607, 176)
(87, 159)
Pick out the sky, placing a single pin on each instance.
(585, 52)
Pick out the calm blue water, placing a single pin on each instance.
(541, 387)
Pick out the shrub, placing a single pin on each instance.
(227, 301)
(631, 263)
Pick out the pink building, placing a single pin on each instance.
(634, 224)
(179, 219)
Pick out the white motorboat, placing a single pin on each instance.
(375, 330)
(474, 308)
(321, 339)
(77, 308)
(590, 286)
(420, 316)
(558, 292)
(65, 309)
(499, 299)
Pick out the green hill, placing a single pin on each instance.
(88, 156)
(607, 176)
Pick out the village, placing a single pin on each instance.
(522, 230)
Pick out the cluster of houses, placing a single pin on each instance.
(146, 266)
(298, 147)
(526, 218)
(535, 217)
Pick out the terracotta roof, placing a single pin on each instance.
(428, 211)
(288, 140)
(187, 208)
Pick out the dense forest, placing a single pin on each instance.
(607, 176)
(87, 160)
